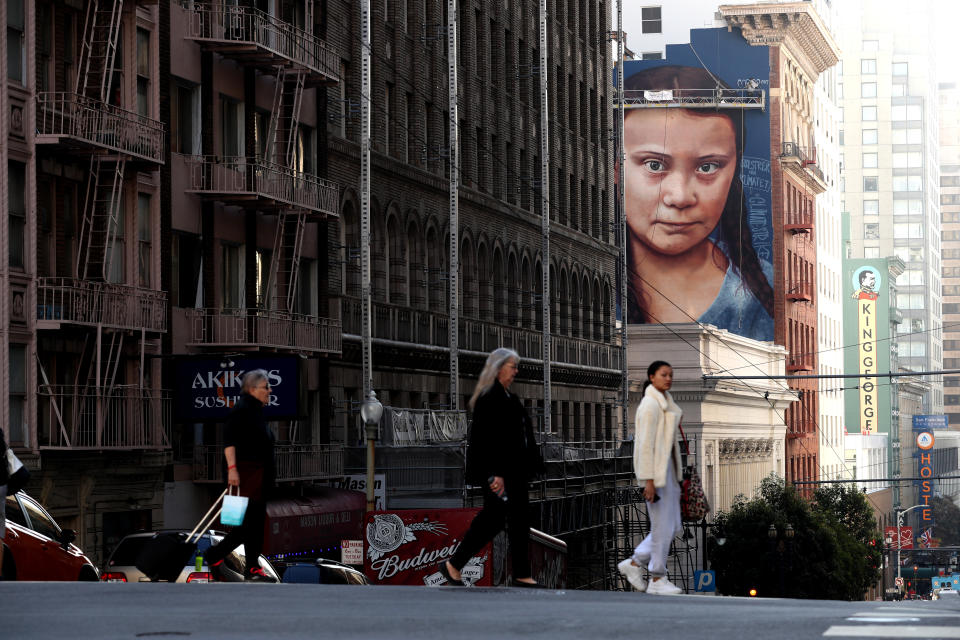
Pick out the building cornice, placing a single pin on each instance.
(795, 25)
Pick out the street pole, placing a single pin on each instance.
(900, 513)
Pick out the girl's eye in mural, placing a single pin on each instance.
(654, 165)
(708, 168)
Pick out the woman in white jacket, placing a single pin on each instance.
(656, 463)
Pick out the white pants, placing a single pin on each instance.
(665, 525)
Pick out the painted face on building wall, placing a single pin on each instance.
(678, 170)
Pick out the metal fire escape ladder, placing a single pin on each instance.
(101, 211)
(291, 222)
(285, 261)
(98, 50)
(284, 118)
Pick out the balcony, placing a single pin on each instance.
(717, 98)
(422, 327)
(801, 291)
(294, 462)
(799, 363)
(239, 328)
(253, 37)
(263, 185)
(66, 301)
(73, 121)
(798, 221)
(122, 418)
(802, 164)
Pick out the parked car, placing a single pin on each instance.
(323, 571)
(36, 548)
(949, 594)
(121, 565)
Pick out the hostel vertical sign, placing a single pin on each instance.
(867, 317)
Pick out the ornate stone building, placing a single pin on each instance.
(735, 427)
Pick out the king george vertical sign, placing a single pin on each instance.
(867, 324)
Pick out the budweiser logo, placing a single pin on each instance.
(389, 566)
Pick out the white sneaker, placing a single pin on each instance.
(633, 574)
(663, 587)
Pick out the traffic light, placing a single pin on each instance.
(753, 593)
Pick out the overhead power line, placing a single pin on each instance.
(818, 376)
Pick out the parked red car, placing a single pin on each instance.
(36, 548)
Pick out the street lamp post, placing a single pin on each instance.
(781, 548)
(370, 410)
(900, 513)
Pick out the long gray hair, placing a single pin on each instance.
(495, 362)
(252, 378)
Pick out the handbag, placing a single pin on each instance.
(17, 475)
(234, 508)
(693, 502)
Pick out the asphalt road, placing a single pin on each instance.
(242, 611)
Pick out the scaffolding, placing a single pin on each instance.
(588, 496)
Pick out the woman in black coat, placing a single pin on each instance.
(502, 457)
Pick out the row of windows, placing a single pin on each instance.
(871, 184)
(868, 66)
(409, 268)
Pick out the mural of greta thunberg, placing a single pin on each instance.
(691, 257)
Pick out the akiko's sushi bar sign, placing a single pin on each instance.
(207, 391)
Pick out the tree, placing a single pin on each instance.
(851, 517)
(829, 556)
(946, 516)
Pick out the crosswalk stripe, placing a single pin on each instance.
(907, 613)
(891, 631)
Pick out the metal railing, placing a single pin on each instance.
(802, 362)
(241, 176)
(74, 417)
(717, 97)
(800, 290)
(419, 326)
(292, 462)
(265, 328)
(806, 156)
(409, 427)
(65, 114)
(72, 301)
(236, 25)
(798, 218)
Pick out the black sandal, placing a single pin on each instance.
(446, 574)
(526, 585)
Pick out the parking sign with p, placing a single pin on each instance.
(705, 580)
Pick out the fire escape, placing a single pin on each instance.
(270, 182)
(108, 405)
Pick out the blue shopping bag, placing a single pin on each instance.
(234, 508)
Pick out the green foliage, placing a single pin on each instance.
(829, 555)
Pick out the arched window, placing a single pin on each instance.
(416, 268)
(436, 280)
(598, 318)
(585, 315)
(484, 284)
(378, 259)
(537, 306)
(575, 305)
(501, 287)
(468, 279)
(606, 312)
(561, 314)
(351, 250)
(397, 264)
(522, 298)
